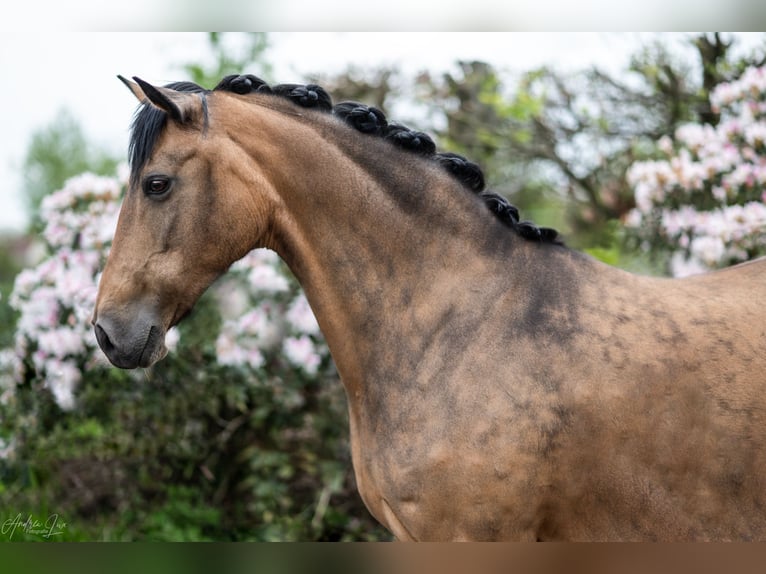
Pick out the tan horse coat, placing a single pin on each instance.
(499, 389)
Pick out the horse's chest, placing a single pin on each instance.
(437, 485)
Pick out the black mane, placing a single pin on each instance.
(149, 122)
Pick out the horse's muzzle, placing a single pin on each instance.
(128, 345)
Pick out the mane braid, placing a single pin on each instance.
(411, 140)
(149, 122)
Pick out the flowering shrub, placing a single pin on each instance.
(705, 201)
(265, 314)
(54, 340)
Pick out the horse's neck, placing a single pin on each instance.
(387, 246)
(385, 251)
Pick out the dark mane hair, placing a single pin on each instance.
(149, 122)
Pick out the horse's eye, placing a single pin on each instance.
(156, 185)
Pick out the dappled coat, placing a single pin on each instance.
(500, 385)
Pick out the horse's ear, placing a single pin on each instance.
(134, 87)
(183, 107)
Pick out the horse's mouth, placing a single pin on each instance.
(154, 349)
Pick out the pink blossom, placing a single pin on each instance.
(55, 299)
(681, 266)
(61, 342)
(266, 278)
(301, 352)
(665, 144)
(755, 134)
(725, 162)
(10, 364)
(707, 249)
(230, 352)
(262, 325)
(62, 379)
(679, 221)
(301, 317)
(694, 136)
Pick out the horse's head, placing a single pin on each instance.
(177, 231)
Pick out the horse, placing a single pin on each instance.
(500, 385)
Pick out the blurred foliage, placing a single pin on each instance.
(56, 153)
(375, 87)
(10, 265)
(232, 54)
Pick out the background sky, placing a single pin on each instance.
(44, 72)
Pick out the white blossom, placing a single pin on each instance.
(707, 249)
(231, 352)
(172, 338)
(301, 317)
(267, 279)
(7, 448)
(302, 352)
(681, 266)
(55, 299)
(722, 168)
(62, 379)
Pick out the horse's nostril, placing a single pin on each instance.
(103, 339)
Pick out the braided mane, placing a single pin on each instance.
(149, 122)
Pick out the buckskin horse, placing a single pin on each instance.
(500, 385)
